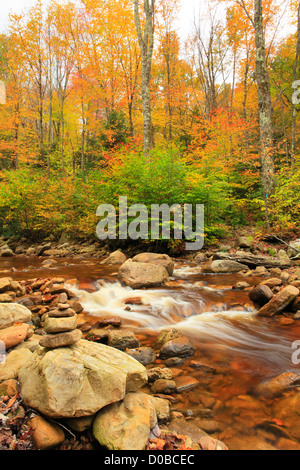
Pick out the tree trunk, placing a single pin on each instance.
(246, 87)
(50, 130)
(265, 108)
(83, 134)
(130, 117)
(146, 43)
(15, 159)
(296, 76)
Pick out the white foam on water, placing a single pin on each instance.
(160, 306)
(186, 271)
(242, 333)
(215, 324)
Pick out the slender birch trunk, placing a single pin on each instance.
(146, 43)
(296, 76)
(264, 107)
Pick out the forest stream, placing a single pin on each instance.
(237, 349)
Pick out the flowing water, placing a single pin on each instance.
(241, 348)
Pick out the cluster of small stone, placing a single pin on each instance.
(60, 326)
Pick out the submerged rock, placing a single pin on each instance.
(185, 383)
(164, 386)
(287, 410)
(144, 355)
(209, 443)
(278, 385)
(187, 428)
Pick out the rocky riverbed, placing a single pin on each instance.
(149, 352)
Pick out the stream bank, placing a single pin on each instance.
(217, 388)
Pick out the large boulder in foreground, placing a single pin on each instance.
(156, 258)
(279, 302)
(12, 313)
(138, 275)
(127, 425)
(78, 380)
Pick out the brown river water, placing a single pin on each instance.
(241, 349)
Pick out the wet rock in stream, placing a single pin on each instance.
(178, 347)
(145, 355)
(122, 339)
(137, 275)
(279, 302)
(157, 373)
(278, 385)
(166, 335)
(164, 386)
(156, 258)
(261, 295)
(185, 383)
